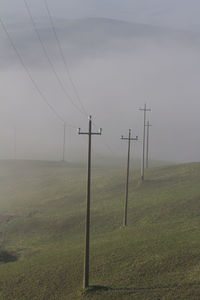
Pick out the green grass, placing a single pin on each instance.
(42, 208)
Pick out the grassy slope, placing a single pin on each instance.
(156, 257)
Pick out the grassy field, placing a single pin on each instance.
(42, 207)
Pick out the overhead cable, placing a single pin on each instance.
(63, 57)
(30, 75)
(49, 59)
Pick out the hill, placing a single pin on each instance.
(42, 226)
(87, 38)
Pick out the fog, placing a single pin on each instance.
(116, 66)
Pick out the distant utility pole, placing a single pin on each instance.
(127, 176)
(64, 140)
(147, 148)
(87, 219)
(15, 143)
(145, 109)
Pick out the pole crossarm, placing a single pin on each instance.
(145, 109)
(129, 139)
(148, 125)
(90, 133)
(87, 133)
(87, 215)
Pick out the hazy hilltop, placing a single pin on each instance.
(88, 37)
(182, 14)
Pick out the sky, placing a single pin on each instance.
(116, 68)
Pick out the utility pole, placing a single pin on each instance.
(87, 217)
(147, 149)
(64, 140)
(127, 175)
(145, 109)
(15, 143)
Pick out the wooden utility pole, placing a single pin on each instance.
(147, 148)
(145, 109)
(127, 175)
(87, 217)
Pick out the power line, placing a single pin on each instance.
(108, 147)
(30, 75)
(43, 97)
(64, 61)
(105, 143)
(63, 56)
(67, 67)
(48, 58)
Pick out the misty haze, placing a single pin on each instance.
(134, 67)
(116, 67)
